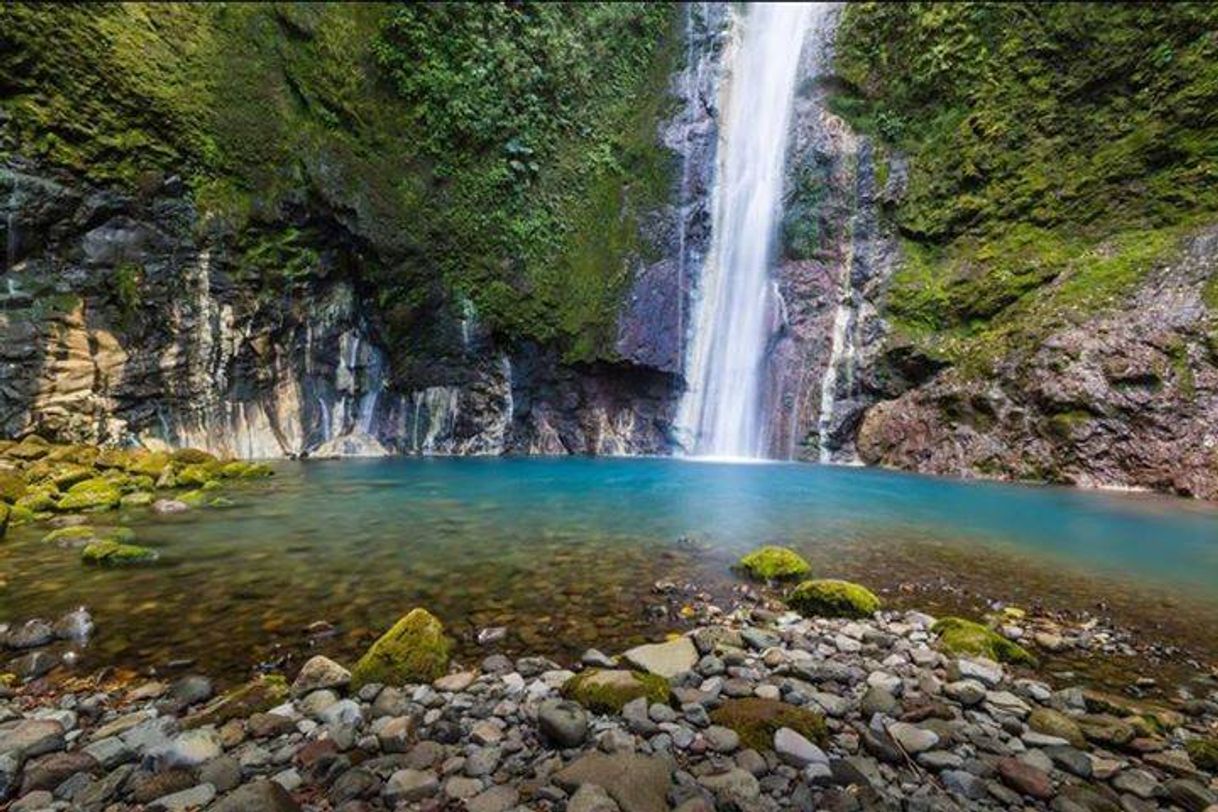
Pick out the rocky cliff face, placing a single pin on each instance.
(124, 319)
(1124, 398)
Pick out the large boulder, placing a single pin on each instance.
(772, 563)
(756, 720)
(97, 493)
(960, 636)
(637, 782)
(414, 650)
(664, 659)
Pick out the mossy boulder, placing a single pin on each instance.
(1204, 753)
(113, 458)
(75, 454)
(69, 474)
(414, 650)
(830, 598)
(240, 469)
(12, 487)
(756, 721)
(772, 563)
(960, 636)
(20, 515)
(74, 536)
(112, 552)
(39, 500)
(195, 498)
(149, 464)
(255, 696)
(137, 499)
(606, 691)
(194, 476)
(192, 456)
(1054, 723)
(31, 448)
(92, 494)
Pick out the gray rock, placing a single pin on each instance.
(462, 787)
(496, 799)
(721, 739)
(666, 659)
(796, 750)
(190, 748)
(734, 787)
(223, 773)
(110, 752)
(636, 782)
(637, 719)
(597, 659)
(940, 760)
(964, 784)
(1137, 782)
(320, 672)
(33, 665)
(410, 785)
(76, 626)
(967, 692)
(194, 798)
(258, 796)
(832, 704)
(877, 700)
(563, 722)
(482, 761)
(1190, 795)
(32, 737)
(31, 634)
(911, 738)
(987, 672)
(591, 798)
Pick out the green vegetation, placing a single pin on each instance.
(1057, 153)
(960, 636)
(756, 721)
(603, 691)
(414, 650)
(772, 563)
(111, 552)
(1204, 753)
(830, 598)
(499, 153)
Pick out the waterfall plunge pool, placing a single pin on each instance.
(565, 552)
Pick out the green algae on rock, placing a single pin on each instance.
(608, 690)
(960, 636)
(1204, 753)
(109, 551)
(773, 563)
(92, 494)
(830, 598)
(255, 696)
(756, 720)
(414, 650)
(71, 536)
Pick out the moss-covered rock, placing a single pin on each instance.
(12, 487)
(198, 475)
(240, 469)
(137, 499)
(830, 598)
(39, 499)
(113, 458)
(149, 464)
(255, 696)
(1204, 753)
(960, 636)
(92, 494)
(116, 553)
(75, 536)
(772, 563)
(606, 691)
(414, 650)
(70, 474)
(756, 721)
(1054, 723)
(195, 498)
(31, 448)
(83, 455)
(20, 515)
(192, 456)
(4, 518)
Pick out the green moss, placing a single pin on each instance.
(960, 636)
(830, 598)
(195, 498)
(606, 691)
(38, 500)
(756, 721)
(12, 487)
(148, 464)
(72, 536)
(772, 563)
(116, 553)
(192, 456)
(18, 514)
(4, 518)
(414, 650)
(67, 476)
(198, 475)
(239, 469)
(255, 696)
(1204, 753)
(92, 494)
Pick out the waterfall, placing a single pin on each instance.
(721, 412)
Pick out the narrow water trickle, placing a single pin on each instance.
(720, 414)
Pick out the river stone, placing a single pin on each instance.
(48, 771)
(1054, 723)
(320, 672)
(967, 692)
(32, 665)
(735, 788)
(563, 722)
(1190, 795)
(190, 748)
(259, 796)
(496, 799)
(196, 797)
(718, 738)
(591, 798)
(31, 634)
(665, 659)
(877, 700)
(636, 782)
(913, 739)
(1138, 782)
(1071, 760)
(169, 506)
(1024, 778)
(794, 749)
(32, 737)
(410, 785)
(985, 671)
(76, 625)
(455, 683)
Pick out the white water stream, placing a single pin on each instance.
(720, 414)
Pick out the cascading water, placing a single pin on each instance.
(720, 414)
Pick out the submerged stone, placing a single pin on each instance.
(831, 598)
(414, 650)
(961, 636)
(773, 563)
(115, 552)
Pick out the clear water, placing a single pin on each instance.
(565, 552)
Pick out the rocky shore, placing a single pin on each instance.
(759, 708)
